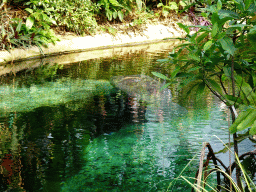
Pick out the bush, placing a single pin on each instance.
(76, 16)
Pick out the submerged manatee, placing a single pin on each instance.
(147, 91)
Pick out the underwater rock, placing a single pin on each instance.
(146, 91)
(141, 86)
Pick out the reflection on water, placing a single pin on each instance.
(67, 128)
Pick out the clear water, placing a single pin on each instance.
(63, 128)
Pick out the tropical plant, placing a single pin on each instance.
(35, 30)
(221, 56)
(171, 6)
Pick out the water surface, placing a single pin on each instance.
(67, 128)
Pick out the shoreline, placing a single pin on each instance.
(76, 44)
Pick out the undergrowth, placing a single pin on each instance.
(31, 22)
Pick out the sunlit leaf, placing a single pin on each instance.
(239, 119)
(248, 121)
(29, 22)
(120, 15)
(19, 26)
(115, 3)
(253, 129)
(184, 27)
(29, 10)
(115, 14)
(139, 4)
(219, 5)
(182, 3)
(160, 75)
(207, 45)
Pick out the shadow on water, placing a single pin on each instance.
(88, 126)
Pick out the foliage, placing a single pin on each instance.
(222, 53)
(170, 6)
(114, 9)
(221, 57)
(34, 31)
(76, 16)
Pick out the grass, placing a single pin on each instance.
(229, 184)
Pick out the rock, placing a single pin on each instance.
(140, 86)
(146, 91)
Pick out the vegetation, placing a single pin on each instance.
(221, 57)
(33, 22)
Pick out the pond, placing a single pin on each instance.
(73, 127)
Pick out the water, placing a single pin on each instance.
(65, 128)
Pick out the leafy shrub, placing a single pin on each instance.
(35, 30)
(114, 9)
(171, 6)
(77, 16)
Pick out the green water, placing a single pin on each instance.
(66, 128)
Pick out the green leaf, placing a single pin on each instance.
(253, 129)
(184, 27)
(228, 45)
(182, 3)
(246, 89)
(120, 15)
(202, 36)
(248, 121)
(19, 26)
(221, 35)
(252, 36)
(165, 86)
(239, 119)
(29, 10)
(228, 13)
(160, 4)
(234, 99)
(194, 69)
(115, 14)
(247, 4)
(200, 89)
(3, 31)
(160, 75)
(174, 73)
(227, 71)
(215, 18)
(192, 78)
(115, 3)
(194, 57)
(215, 86)
(215, 29)
(219, 5)
(29, 22)
(139, 4)
(173, 6)
(207, 45)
